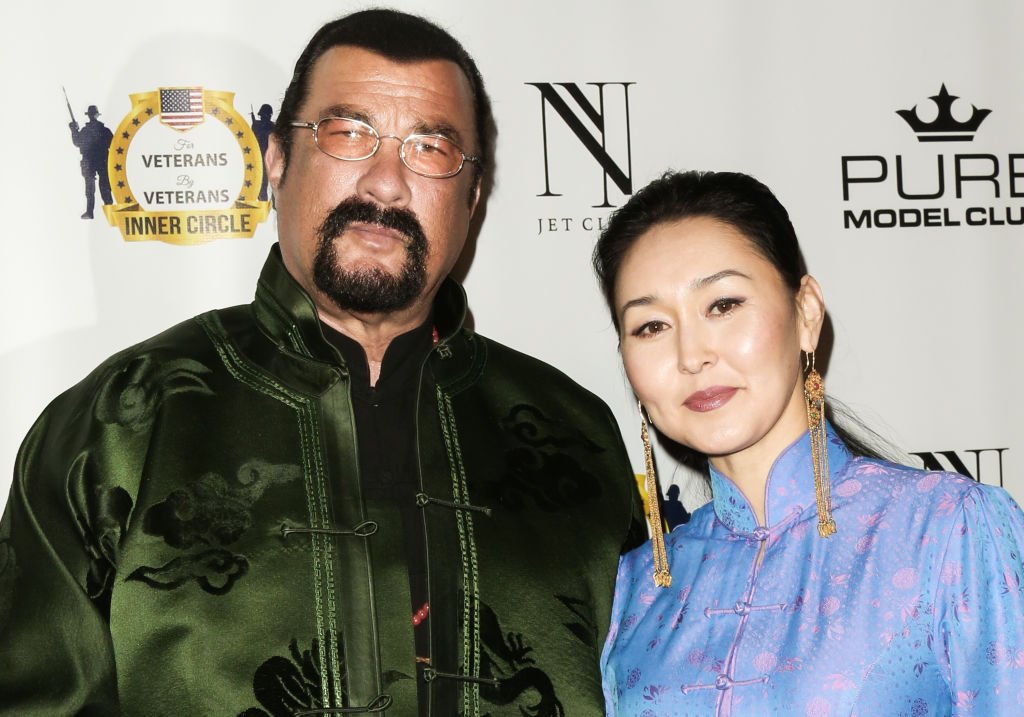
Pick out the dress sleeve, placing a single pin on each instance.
(608, 680)
(979, 610)
(56, 655)
(634, 567)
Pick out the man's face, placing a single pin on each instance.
(371, 236)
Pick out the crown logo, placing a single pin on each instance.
(944, 128)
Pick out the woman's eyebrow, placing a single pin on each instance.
(701, 282)
(640, 301)
(698, 283)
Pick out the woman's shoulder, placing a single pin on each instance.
(898, 479)
(942, 492)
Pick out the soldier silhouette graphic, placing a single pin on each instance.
(262, 128)
(93, 141)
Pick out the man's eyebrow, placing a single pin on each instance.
(346, 111)
(442, 128)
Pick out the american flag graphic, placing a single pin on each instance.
(181, 107)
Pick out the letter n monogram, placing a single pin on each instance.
(594, 143)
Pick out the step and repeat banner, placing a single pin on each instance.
(133, 195)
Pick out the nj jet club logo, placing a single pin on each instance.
(596, 116)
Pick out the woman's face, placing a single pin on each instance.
(711, 339)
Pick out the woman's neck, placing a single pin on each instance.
(749, 467)
(749, 472)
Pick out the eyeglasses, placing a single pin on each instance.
(429, 155)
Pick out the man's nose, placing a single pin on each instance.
(384, 177)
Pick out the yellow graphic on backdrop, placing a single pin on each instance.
(190, 177)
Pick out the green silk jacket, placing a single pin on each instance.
(186, 533)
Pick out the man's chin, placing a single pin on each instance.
(357, 278)
(366, 270)
(369, 290)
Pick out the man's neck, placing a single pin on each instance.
(375, 332)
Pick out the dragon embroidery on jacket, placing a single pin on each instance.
(543, 469)
(286, 685)
(505, 659)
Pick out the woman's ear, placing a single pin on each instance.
(810, 307)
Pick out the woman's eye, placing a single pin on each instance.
(649, 328)
(724, 306)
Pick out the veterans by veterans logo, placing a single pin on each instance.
(193, 175)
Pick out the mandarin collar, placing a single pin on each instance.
(402, 358)
(789, 490)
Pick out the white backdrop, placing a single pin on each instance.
(926, 319)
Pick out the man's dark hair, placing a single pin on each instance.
(732, 198)
(400, 37)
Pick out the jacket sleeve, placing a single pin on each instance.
(56, 655)
(979, 630)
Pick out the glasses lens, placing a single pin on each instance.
(346, 138)
(431, 155)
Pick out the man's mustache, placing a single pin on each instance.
(357, 210)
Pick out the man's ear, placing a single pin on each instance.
(810, 307)
(274, 162)
(474, 194)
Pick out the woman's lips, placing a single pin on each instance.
(709, 399)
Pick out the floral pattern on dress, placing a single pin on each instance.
(914, 607)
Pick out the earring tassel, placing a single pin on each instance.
(662, 575)
(814, 397)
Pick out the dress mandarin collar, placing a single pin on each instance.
(790, 486)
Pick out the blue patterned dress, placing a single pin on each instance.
(914, 607)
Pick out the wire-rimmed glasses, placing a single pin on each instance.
(348, 139)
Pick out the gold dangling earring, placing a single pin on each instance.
(662, 576)
(814, 398)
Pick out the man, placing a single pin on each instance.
(337, 499)
(93, 141)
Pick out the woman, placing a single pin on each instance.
(820, 580)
